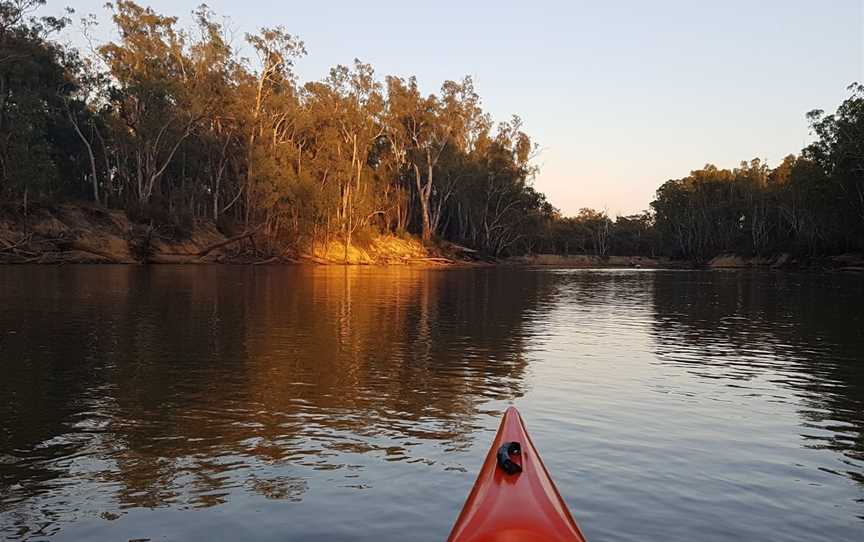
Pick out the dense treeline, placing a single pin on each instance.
(811, 204)
(173, 125)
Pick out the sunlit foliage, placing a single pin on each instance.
(175, 125)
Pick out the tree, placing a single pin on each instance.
(33, 90)
(633, 235)
(271, 100)
(171, 124)
(839, 151)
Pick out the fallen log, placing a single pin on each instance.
(268, 261)
(315, 259)
(207, 250)
(459, 248)
(431, 259)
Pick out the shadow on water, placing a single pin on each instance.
(129, 387)
(798, 332)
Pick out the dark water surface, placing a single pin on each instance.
(236, 403)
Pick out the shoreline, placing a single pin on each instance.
(722, 262)
(80, 233)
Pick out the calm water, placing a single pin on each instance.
(236, 403)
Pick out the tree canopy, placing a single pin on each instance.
(173, 124)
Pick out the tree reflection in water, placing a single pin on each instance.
(249, 402)
(797, 331)
(178, 386)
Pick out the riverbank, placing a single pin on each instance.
(85, 233)
(90, 234)
(592, 261)
(844, 262)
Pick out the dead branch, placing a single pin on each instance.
(207, 250)
(431, 259)
(14, 247)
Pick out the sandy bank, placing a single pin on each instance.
(843, 262)
(591, 261)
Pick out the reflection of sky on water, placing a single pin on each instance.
(197, 398)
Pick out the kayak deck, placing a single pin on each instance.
(523, 505)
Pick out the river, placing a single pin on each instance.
(329, 403)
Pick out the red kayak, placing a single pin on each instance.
(514, 498)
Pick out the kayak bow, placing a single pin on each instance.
(514, 499)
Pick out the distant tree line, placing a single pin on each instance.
(811, 204)
(172, 125)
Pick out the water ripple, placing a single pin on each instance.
(259, 404)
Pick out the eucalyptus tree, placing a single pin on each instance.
(218, 140)
(756, 209)
(358, 109)
(150, 73)
(495, 205)
(270, 104)
(419, 135)
(399, 117)
(839, 151)
(81, 105)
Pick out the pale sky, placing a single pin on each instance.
(621, 96)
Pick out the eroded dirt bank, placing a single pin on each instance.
(83, 233)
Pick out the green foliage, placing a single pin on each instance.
(808, 204)
(172, 125)
(33, 88)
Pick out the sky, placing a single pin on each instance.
(621, 96)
